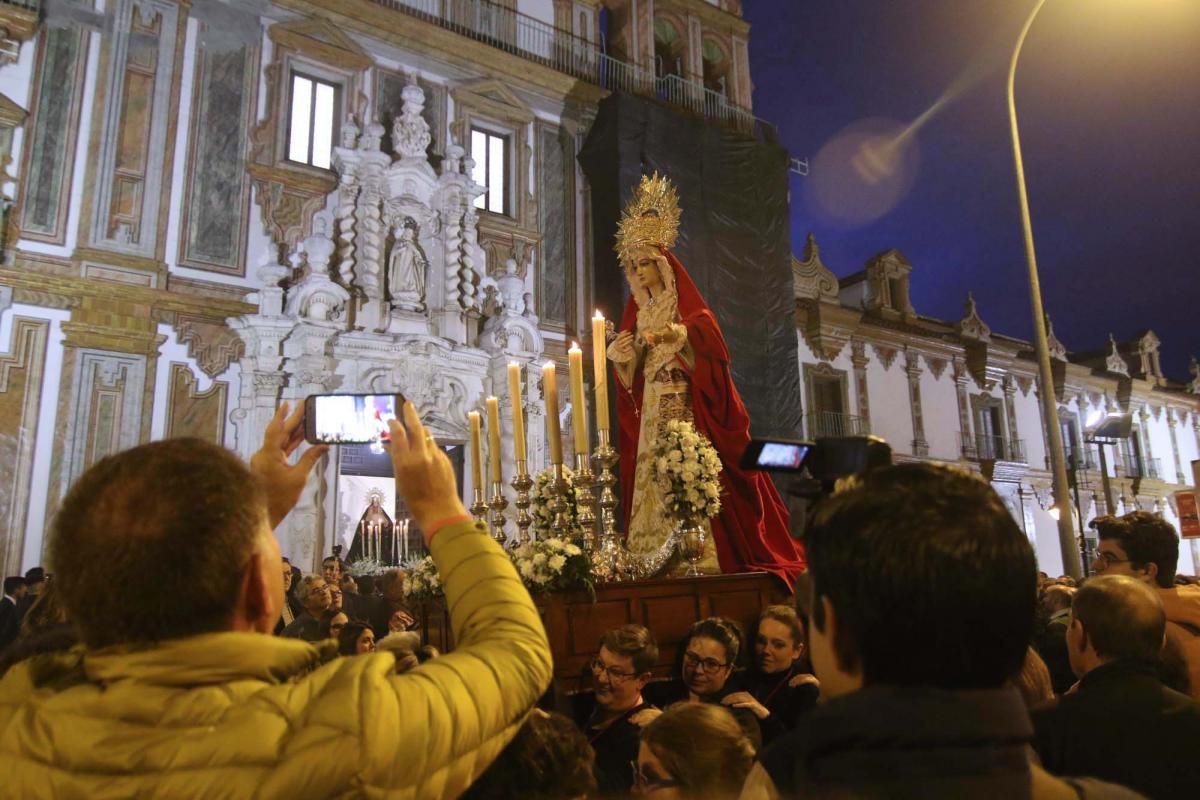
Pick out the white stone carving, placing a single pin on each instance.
(811, 278)
(971, 326)
(1114, 362)
(406, 269)
(410, 131)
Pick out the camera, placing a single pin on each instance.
(818, 465)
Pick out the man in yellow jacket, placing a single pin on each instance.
(167, 564)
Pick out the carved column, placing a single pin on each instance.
(964, 403)
(1172, 424)
(1143, 436)
(859, 360)
(372, 236)
(1010, 414)
(912, 368)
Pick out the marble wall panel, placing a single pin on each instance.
(52, 130)
(217, 192)
(191, 412)
(21, 372)
(555, 279)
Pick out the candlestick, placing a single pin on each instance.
(498, 503)
(600, 370)
(476, 451)
(553, 432)
(559, 507)
(514, 393)
(523, 483)
(612, 562)
(578, 407)
(493, 414)
(585, 514)
(479, 507)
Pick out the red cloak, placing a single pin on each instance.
(751, 532)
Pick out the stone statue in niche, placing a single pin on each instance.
(406, 269)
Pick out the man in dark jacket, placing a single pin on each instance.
(1121, 724)
(923, 595)
(1051, 640)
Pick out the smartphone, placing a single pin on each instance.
(778, 455)
(349, 418)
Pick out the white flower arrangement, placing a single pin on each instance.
(541, 497)
(686, 466)
(422, 581)
(552, 563)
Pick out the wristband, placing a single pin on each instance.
(445, 522)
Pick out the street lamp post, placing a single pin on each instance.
(1058, 461)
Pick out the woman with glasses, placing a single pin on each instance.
(779, 686)
(330, 624)
(693, 750)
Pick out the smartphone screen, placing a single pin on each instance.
(349, 418)
(782, 455)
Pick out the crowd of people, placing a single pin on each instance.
(924, 657)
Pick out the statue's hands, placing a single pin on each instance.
(667, 335)
(282, 481)
(621, 350)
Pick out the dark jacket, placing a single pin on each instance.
(664, 694)
(1051, 644)
(305, 627)
(881, 742)
(10, 622)
(616, 745)
(786, 703)
(1124, 726)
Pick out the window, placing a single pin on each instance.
(490, 153)
(310, 123)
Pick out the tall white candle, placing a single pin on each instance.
(600, 370)
(553, 433)
(476, 451)
(493, 414)
(514, 392)
(578, 407)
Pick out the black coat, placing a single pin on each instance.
(1051, 644)
(932, 744)
(786, 703)
(10, 622)
(666, 693)
(1124, 726)
(616, 745)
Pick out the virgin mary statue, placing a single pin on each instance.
(671, 363)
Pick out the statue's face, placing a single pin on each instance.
(646, 269)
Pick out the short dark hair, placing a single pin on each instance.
(549, 758)
(35, 575)
(1147, 539)
(12, 583)
(149, 543)
(932, 580)
(326, 619)
(635, 642)
(719, 629)
(348, 638)
(1121, 616)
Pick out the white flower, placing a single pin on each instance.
(573, 550)
(556, 563)
(539, 559)
(555, 543)
(527, 569)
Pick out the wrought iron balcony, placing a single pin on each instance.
(981, 447)
(1137, 467)
(827, 424)
(561, 50)
(1082, 458)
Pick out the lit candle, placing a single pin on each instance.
(493, 412)
(550, 388)
(476, 452)
(600, 369)
(578, 411)
(514, 392)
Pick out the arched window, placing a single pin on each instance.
(716, 68)
(668, 49)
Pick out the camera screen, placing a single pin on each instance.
(779, 455)
(358, 418)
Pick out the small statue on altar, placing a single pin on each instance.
(374, 538)
(671, 363)
(406, 269)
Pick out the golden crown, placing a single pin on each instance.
(651, 218)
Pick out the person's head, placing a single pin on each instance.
(180, 527)
(331, 622)
(356, 638)
(645, 268)
(710, 653)
(335, 594)
(287, 576)
(366, 585)
(920, 577)
(1114, 617)
(14, 587)
(46, 612)
(1034, 681)
(779, 640)
(622, 666)
(693, 750)
(331, 568)
(392, 585)
(35, 579)
(313, 594)
(1056, 598)
(349, 585)
(398, 620)
(1140, 545)
(548, 759)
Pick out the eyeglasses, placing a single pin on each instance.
(337, 626)
(649, 783)
(708, 666)
(615, 676)
(1108, 560)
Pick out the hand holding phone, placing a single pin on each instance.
(777, 455)
(349, 418)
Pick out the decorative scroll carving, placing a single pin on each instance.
(1113, 362)
(212, 343)
(885, 353)
(1058, 352)
(936, 365)
(811, 278)
(971, 326)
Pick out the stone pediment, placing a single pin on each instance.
(972, 326)
(811, 278)
(496, 98)
(322, 41)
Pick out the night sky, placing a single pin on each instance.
(1108, 97)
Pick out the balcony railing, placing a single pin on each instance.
(1082, 458)
(32, 5)
(1135, 467)
(561, 50)
(991, 448)
(827, 424)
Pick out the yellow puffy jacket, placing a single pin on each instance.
(228, 715)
